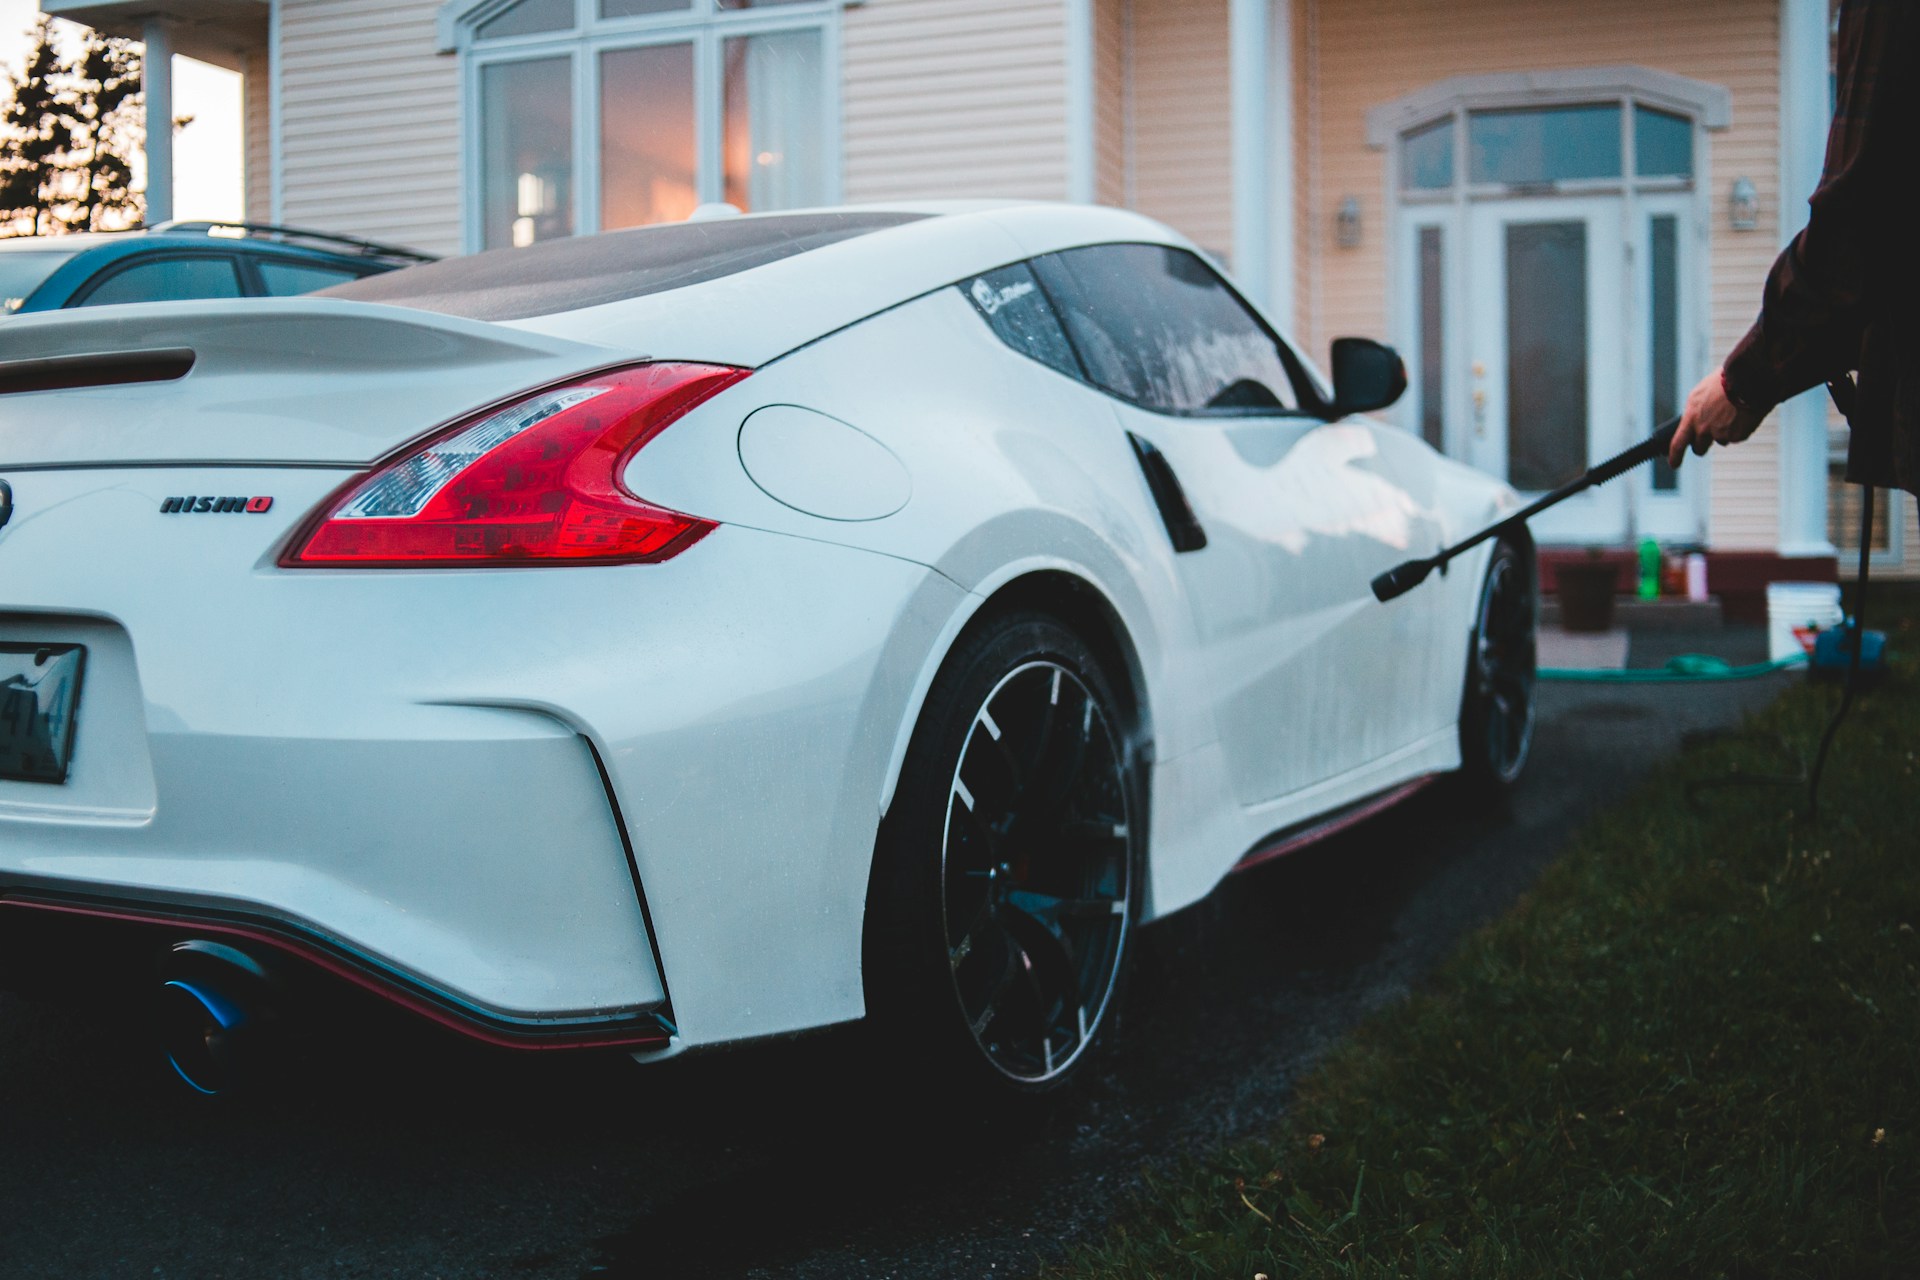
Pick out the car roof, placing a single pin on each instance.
(747, 289)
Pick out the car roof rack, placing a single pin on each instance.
(299, 235)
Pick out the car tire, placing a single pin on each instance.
(1007, 877)
(1497, 709)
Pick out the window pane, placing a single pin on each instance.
(285, 279)
(1017, 311)
(1662, 144)
(1426, 157)
(1664, 324)
(647, 164)
(639, 8)
(169, 280)
(775, 142)
(1432, 339)
(1557, 144)
(526, 123)
(1156, 326)
(1546, 353)
(24, 270)
(529, 17)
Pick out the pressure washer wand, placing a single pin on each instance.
(1404, 578)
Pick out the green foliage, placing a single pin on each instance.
(69, 129)
(1692, 1050)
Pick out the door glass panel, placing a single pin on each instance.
(1664, 324)
(1157, 326)
(1662, 144)
(169, 280)
(1432, 338)
(1552, 144)
(1426, 157)
(775, 134)
(647, 153)
(1546, 353)
(528, 18)
(526, 152)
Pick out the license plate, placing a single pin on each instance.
(39, 694)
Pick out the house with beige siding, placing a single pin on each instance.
(1559, 211)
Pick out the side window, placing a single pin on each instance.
(168, 280)
(1158, 326)
(285, 279)
(1014, 306)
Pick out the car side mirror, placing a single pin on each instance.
(1367, 375)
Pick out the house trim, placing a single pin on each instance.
(1710, 104)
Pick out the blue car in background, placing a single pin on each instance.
(176, 261)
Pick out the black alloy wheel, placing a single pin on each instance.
(1497, 719)
(1006, 885)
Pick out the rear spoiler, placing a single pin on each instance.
(311, 381)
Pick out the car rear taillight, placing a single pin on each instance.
(535, 483)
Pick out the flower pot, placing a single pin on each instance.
(1586, 594)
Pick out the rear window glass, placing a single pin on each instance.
(1158, 326)
(285, 279)
(1014, 306)
(24, 270)
(566, 275)
(168, 280)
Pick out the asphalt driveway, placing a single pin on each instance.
(397, 1157)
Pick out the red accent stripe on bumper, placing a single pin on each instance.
(288, 941)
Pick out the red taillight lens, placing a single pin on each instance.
(535, 483)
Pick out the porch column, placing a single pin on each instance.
(1804, 117)
(1260, 34)
(1081, 184)
(156, 82)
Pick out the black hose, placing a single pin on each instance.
(1857, 637)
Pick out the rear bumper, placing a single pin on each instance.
(538, 798)
(152, 926)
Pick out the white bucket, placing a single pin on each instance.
(1796, 612)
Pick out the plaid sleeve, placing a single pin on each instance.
(1821, 290)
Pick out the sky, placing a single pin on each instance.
(206, 154)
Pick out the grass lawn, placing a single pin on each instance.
(1693, 1050)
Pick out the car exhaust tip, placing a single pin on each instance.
(216, 1014)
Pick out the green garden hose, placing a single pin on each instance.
(1686, 668)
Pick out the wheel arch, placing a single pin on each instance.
(1078, 602)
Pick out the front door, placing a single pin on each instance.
(1546, 352)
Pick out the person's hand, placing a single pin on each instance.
(1710, 419)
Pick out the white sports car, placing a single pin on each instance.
(678, 636)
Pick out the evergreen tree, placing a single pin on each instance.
(106, 129)
(37, 131)
(66, 136)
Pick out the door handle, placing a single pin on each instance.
(1175, 511)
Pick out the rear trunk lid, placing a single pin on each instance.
(293, 381)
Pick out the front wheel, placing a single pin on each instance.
(1497, 710)
(1006, 880)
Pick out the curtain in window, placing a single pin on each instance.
(775, 145)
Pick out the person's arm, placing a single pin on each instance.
(1819, 291)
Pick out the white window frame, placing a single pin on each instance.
(703, 24)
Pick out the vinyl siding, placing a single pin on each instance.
(1183, 119)
(1366, 52)
(955, 98)
(371, 134)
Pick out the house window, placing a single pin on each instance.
(595, 115)
(1523, 150)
